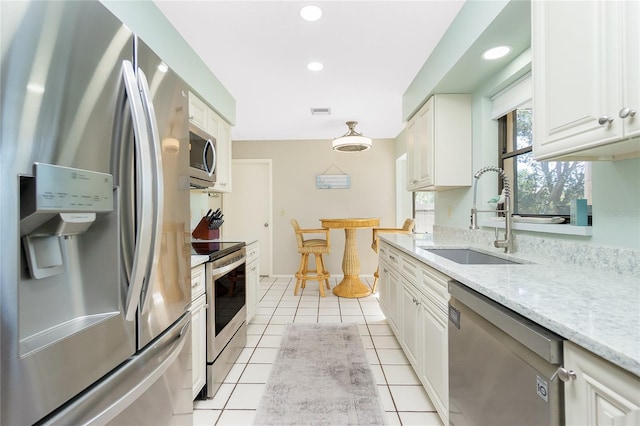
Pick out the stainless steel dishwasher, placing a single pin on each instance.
(502, 367)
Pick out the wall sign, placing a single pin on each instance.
(336, 181)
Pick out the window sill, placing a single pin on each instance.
(549, 228)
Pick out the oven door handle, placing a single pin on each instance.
(218, 272)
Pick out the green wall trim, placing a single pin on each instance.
(145, 19)
(472, 20)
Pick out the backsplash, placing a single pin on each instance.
(548, 250)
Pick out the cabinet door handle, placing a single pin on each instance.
(564, 375)
(626, 112)
(605, 120)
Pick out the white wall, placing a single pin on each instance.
(295, 167)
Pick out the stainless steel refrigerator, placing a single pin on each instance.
(94, 222)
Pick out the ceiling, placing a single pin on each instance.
(258, 50)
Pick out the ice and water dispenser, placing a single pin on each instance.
(59, 202)
(70, 277)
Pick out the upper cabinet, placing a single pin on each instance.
(586, 72)
(206, 119)
(439, 144)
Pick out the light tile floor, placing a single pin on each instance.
(404, 398)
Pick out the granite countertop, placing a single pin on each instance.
(198, 259)
(599, 311)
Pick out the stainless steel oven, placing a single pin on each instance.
(226, 316)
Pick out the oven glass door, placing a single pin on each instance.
(230, 296)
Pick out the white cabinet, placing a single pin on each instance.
(411, 323)
(208, 120)
(601, 393)
(390, 286)
(252, 279)
(198, 328)
(421, 315)
(439, 144)
(586, 81)
(223, 170)
(434, 368)
(198, 112)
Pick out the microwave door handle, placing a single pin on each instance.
(209, 168)
(143, 194)
(157, 183)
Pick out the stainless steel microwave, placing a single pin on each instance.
(202, 158)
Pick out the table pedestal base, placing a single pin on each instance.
(351, 286)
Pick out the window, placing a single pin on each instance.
(537, 188)
(424, 211)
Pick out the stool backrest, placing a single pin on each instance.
(296, 228)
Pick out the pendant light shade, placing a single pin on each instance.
(351, 141)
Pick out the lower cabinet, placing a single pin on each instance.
(198, 342)
(390, 287)
(411, 324)
(414, 299)
(198, 329)
(253, 279)
(601, 393)
(434, 368)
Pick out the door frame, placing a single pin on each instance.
(269, 163)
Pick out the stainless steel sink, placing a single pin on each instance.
(470, 257)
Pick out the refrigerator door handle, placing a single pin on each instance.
(144, 233)
(157, 183)
(102, 403)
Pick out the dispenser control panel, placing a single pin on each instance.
(65, 189)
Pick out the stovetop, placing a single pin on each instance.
(215, 249)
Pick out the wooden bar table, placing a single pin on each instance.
(351, 285)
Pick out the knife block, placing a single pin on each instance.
(202, 231)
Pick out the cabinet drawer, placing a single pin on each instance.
(253, 251)
(435, 285)
(198, 279)
(410, 269)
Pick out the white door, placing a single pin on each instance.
(247, 209)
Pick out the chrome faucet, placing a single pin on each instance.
(507, 242)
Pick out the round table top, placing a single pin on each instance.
(351, 222)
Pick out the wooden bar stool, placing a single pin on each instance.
(317, 247)
(407, 227)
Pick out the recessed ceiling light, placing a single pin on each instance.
(311, 13)
(496, 52)
(314, 66)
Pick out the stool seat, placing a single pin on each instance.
(407, 227)
(316, 247)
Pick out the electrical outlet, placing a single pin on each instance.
(282, 212)
(449, 212)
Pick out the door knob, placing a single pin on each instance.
(266, 225)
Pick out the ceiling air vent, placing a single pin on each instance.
(320, 111)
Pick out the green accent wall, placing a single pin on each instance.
(145, 19)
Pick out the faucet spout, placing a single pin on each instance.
(507, 242)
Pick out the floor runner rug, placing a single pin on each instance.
(321, 376)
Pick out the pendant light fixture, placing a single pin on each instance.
(351, 141)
